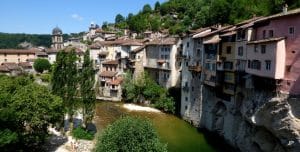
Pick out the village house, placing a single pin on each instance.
(273, 53)
(16, 55)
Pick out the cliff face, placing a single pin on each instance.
(254, 121)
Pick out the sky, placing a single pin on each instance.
(72, 16)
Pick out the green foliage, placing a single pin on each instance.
(87, 92)
(65, 79)
(27, 109)
(81, 133)
(180, 15)
(145, 88)
(40, 65)
(119, 18)
(8, 41)
(130, 134)
(147, 9)
(45, 77)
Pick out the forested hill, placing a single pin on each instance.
(12, 41)
(181, 15)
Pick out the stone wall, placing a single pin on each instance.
(259, 121)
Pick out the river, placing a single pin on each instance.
(178, 134)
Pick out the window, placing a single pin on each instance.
(255, 48)
(263, 49)
(5, 60)
(5, 54)
(188, 44)
(268, 64)
(161, 56)
(228, 65)
(271, 33)
(291, 30)
(198, 52)
(256, 64)
(228, 49)
(18, 54)
(240, 51)
(249, 64)
(264, 33)
(19, 60)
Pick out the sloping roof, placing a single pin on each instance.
(40, 53)
(51, 50)
(213, 32)
(132, 43)
(3, 68)
(228, 34)
(291, 12)
(11, 65)
(96, 45)
(117, 81)
(112, 62)
(25, 65)
(163, 41)
(108, 74)
(266, 40)
(212, 41)
(138, 49)
(17, 51)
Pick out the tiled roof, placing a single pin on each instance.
(266, 40)
(96, 45)
(16, 51)
(3, 68)
(51, 50)
(11, 65)
(163, 41)
(228, 33)
(112, 62)
(132, 43)
(25, 64)
(291, 12)
(117, 81)
(40, 53)
(108, 74)
(213, 32)
(138, 49)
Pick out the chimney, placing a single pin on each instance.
(285, 9)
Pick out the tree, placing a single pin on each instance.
(65, 80)
(87, 92)
(130, 134)
(119, 19)
(147, 9)
(27, 109)
(40, 65)
(157, 6)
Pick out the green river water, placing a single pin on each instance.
(178, 134)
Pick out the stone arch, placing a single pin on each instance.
(218, 113)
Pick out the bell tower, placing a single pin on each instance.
(57, 39)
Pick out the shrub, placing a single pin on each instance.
(45, 77)
(81, 133)
(130, 134)
(40, 65)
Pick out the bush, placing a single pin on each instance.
(81, 133)
(40, 65)
(130, 134)
(45, 77)
(166, 104)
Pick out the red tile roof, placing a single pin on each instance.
(11, 65)
(108, 74)
(117, 81)
(16, 51)
(25, 65)
(112, 62)
(3, 68)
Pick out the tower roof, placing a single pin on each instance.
(56, 31)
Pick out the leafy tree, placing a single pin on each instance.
(130, 134)
(87, 92)
(27, 109)
(65, 80)
(145, 88)
(40, 65)
(119, 19)
(147, 9)
(157, 6)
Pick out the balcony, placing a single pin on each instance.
(195, 68)
(157, 64)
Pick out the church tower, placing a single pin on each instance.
(57, 39)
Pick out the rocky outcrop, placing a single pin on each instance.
(257, 121)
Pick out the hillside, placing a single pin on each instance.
(180, 15)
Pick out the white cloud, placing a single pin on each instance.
(77, 17)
